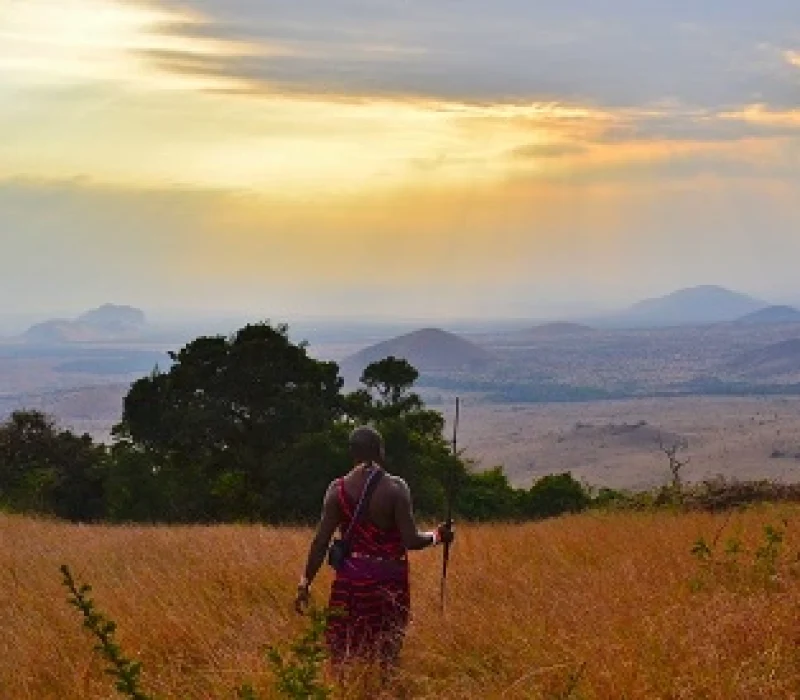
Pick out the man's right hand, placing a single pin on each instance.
(445, 533)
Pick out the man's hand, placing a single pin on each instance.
(303, 598)
(445, 533)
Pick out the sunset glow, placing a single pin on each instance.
(281, 130)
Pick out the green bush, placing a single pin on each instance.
(488, 495)
(553, 495)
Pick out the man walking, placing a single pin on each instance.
(369, 598)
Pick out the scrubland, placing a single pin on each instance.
(737, 437)
(596, 606)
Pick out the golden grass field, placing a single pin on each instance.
(599, 604)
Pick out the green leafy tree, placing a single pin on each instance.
(136, 491)
(392, 380)
(304, 473)
(47, 470)
(220, 426)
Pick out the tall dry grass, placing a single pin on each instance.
(592, 606)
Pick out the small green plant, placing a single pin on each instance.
(126, 672)
(729, 568)
(733, 547)
(298, 671)
(701, 550)
(767, 555)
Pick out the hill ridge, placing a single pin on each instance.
(698, 305)
(105, 322)
(428, 349)
(777, 313)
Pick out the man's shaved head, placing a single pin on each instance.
(366, 445)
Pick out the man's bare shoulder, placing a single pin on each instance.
(331, 499)
(398, 485)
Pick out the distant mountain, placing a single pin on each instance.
(772, 361)
(429, 349)
(560, 329)
(52, 332)
(105, 323)
(114, 319)
(770, 315)
(692, 306)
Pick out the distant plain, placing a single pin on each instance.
(619, 393)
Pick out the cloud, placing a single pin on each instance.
(709, 54)
(547, 150)
(218, 152)
(747, 122)
(771, 120)
(46, 42)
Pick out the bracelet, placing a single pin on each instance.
(435, 537)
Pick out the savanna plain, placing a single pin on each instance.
(596, 606)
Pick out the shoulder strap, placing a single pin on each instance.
(342, 499)
(366, 495)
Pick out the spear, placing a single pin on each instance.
(449, 502)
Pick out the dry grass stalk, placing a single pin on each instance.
(593, 606)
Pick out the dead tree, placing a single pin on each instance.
(675, 463)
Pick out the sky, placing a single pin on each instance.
(398, 159)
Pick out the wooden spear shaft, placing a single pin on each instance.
(449, 503)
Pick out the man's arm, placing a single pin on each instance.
(328, 523)
(404, 517)
(325, 529)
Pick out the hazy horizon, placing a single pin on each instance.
(202, 321)
(395, 160)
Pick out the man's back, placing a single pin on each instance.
(383, 504)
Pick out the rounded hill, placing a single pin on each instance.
(771, 314)
(692, 306)
(113, 318)
(429, 349)
(107, 322)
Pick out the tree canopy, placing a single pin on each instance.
(251, 428)
(46, 470)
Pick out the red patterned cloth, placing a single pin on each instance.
(370, 597)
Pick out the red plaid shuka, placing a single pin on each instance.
(370, 597)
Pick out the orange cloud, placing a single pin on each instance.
(792, 58)
(762, 115)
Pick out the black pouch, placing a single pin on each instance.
(338, 553)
